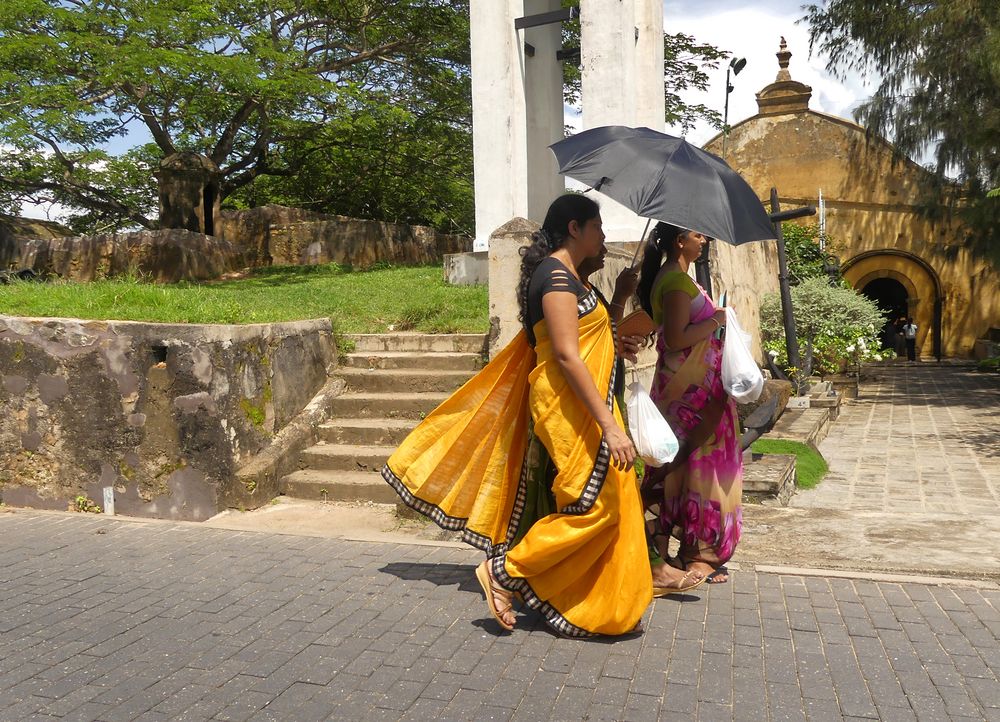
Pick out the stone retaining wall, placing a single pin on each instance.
(165, 256)
(294, 236)
(164, 413)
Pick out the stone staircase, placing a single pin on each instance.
(393, 380)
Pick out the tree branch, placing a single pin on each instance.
(86, 195)
(159, 134)
(225, 145)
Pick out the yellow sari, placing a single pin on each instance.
(584, 567)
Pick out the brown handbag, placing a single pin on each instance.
(637, 323)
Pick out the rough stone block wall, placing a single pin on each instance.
(164, 413)
(293, 236)
(166, 256)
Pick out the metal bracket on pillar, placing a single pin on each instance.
(529, 50)
(556, 16)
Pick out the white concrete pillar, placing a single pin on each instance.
(516, 113)
(621, 81)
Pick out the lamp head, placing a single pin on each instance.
(737, 64)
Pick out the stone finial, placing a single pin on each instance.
(784, 95)
(784, 55)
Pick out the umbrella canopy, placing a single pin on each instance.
(667, 179)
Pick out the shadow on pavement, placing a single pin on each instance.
(443, 575)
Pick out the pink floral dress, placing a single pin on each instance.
(701, 496)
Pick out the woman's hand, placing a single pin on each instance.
(626, 283)
(720, 316)
(629, 346)
(620, 446)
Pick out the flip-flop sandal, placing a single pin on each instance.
(721, 570)
(685, 587)
(489, 589)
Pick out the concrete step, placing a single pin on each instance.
(460, 342)
(345, 457)
(810, 426)
(413, 380)
(367, 404)
(337, 486)
(366, 432)
(769, 476)
(444, 360)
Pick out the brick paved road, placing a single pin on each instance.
(921, 438)
(105, 619)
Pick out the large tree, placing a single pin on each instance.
(938, 69)
(358, 107)
(257, 86)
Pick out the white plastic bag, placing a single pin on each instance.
(654, 440)
(741, 377)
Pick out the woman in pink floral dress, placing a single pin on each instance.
(696, 497)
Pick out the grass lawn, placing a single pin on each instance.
(370, 301)
(810, 467)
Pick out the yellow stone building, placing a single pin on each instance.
(887, 249)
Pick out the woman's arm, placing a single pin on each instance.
(677, 332)
(625, 286)
(559, 310)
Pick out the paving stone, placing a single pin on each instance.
(200, 629)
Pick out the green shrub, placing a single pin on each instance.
(836, 327)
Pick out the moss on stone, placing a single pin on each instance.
(255, 414)
(125, 470)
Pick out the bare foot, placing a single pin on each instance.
(668, 580)
(713, 575)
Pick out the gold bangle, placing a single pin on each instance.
(716, 321)
(620, 305)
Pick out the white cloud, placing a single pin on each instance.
(753, 30)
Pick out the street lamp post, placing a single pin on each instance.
(735, 66)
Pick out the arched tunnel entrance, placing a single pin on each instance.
(903, 285)
(892, 298)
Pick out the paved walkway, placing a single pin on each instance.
(921, 438)
(914, 482)
(104, 619)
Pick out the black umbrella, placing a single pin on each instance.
(667, 179)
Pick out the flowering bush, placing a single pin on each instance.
(836, 327)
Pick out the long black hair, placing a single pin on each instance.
(551, 237)
(662, 241)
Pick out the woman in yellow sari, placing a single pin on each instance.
(583, 567)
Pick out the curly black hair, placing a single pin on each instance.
(551, 237)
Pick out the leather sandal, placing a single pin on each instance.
(689, 581)
(492, 590)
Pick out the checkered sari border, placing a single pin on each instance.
(552, 616)
(586, 304)
(600, 472)
(437, 515)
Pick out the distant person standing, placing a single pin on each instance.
(910, 336)
(899, 337)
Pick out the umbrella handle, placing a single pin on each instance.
(641, 244)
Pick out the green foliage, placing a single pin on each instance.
(938, 65)
(837, 326)
(84, 504)
(805, 258)
(810, 466)
(686, 63)
(989, 364)
(260, 88)
(358, 302)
